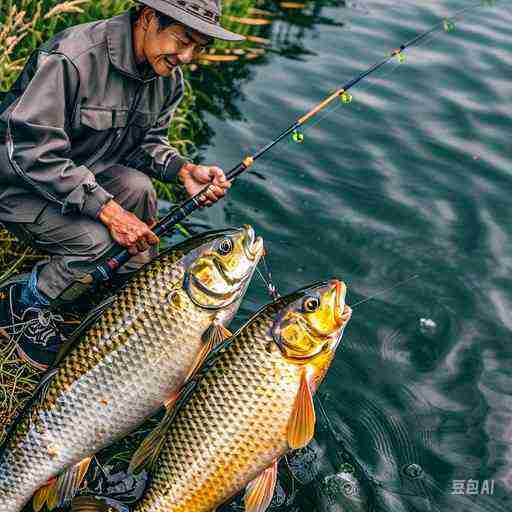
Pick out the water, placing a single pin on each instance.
(410, 182)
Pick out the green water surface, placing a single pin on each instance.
(405, 190)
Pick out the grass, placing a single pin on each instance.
(24, 25)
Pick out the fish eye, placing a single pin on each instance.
(310, 304)
(225, 246)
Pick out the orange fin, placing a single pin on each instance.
(62, 489)
(301, 427)
(41, 496)
(214, 335)
(148, 451)
(259, 492)
(169, 403)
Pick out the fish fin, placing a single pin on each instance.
(259, 492)
(148, 451)
(41, 496)
(96, 504)
(212, 338)
(301, 427)
(170, 402)
(215, 334)
(64, 488)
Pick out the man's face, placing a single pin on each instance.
(177, 44)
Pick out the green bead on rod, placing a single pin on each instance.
(298, 137)
(448, 25)
(346, 97)
(400, 57)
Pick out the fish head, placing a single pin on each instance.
(309, 328)
(218, 271)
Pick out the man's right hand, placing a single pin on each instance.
(126, 228)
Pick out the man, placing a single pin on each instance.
(82, 131)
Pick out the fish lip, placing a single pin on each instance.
(253, 246)
(341, 293)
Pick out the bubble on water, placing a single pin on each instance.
(346, 467)
(413, 471)
(427, 326)
(340, 484)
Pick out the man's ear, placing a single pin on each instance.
(146, 16)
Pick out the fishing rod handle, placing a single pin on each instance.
(105, 271)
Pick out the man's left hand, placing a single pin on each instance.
(195, 177)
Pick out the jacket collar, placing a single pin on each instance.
(120, 46)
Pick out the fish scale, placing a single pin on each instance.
(120, 372)
(227, 431)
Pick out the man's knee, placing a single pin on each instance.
(133, 190)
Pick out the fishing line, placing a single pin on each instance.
(104, 271)
(385, 291)
(272, 289)
(416, 42)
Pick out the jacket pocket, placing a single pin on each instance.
(103, 119)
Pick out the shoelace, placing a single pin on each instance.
(45, 318)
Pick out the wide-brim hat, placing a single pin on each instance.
(201, 15)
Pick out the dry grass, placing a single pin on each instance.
(17, 379)
(17, 384)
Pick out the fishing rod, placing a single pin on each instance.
(104, 271)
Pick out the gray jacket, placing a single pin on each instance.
(80, 106)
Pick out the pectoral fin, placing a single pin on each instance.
(148, 451)
(41, 496)
(62, 489)
(212, 337)
(215, 334)
(259, 492)
(301, 427)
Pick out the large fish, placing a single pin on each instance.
(248, 407)
(129, 362)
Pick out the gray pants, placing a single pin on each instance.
(75, 243)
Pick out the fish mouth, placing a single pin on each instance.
(341, 292)
(253, 246)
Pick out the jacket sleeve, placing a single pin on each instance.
(155, 156)
(39, 144)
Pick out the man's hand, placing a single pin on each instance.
(126, 229)
(196, 177)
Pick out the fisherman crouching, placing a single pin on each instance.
(82, 131)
